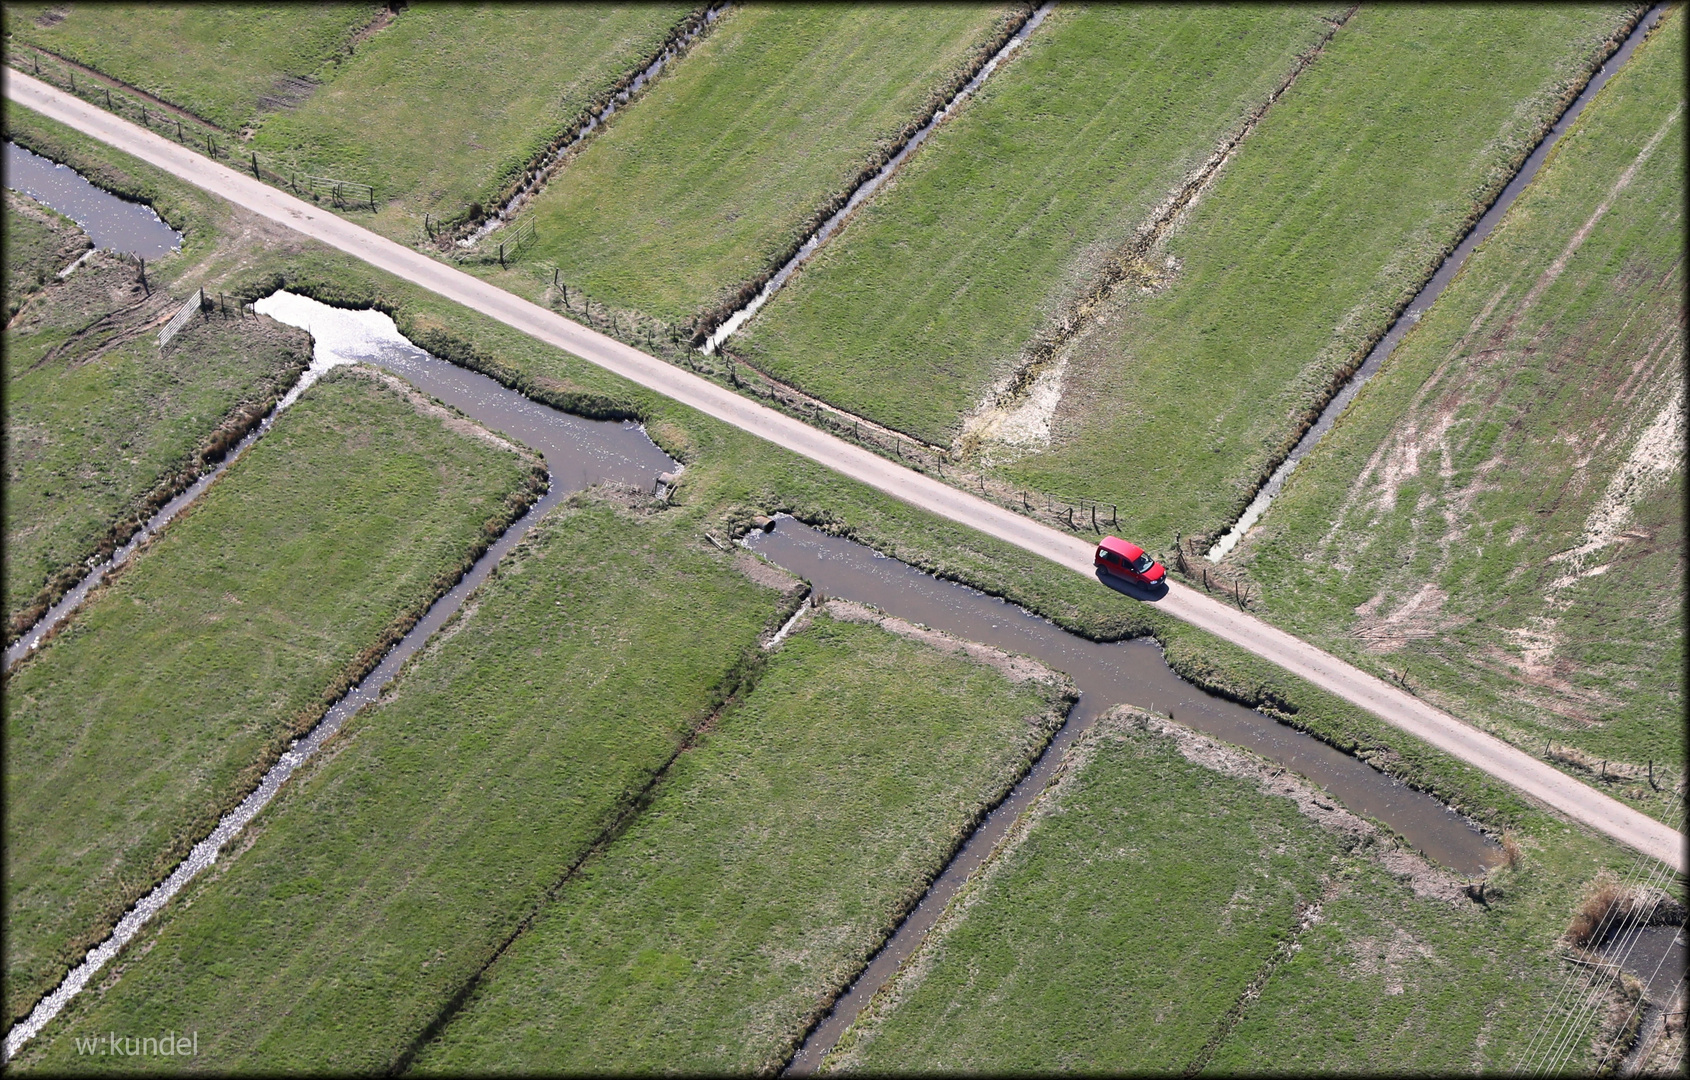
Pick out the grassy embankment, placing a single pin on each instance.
(725, 165)
(1335, 210)
(158, 706)
(440, 107)
(101, 428)
(732, 476)
(39, 242)
(1500, 512)
(1010, 209)
(226, 65)
(776, 856)
(1104, 940)
(382, 880)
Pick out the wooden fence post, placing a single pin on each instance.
(255, 175)
(109, 107)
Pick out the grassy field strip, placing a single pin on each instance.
(160, 706)
(777, 855)
(322, 92)
(1022, 202)
(1331, 216)
(1117, 922)
(568, 142)
(685, 206)
(1428, 295)
(226, 66)
(496, 88)
(1229, 910)
(1483, 523)
(872, 183)
(386, 876)
(103, 428)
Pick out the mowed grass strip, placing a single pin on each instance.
(219, 62)
(380, 882)
(1500, 512)
(103, 427)
(698, 189)
(1143, 896)
(1335, 210)
(774, 858)
(446, 105)
(160, 703)
(937, 285)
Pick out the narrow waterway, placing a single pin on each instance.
(1429, 293)
(873, 183)
(577, 453)
(109, 221)
(1127, 672)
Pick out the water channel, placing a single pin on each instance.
(1127, 672)
(577, 453)
(1433, 288)
(109, 221)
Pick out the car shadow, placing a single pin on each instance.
(1147, 593)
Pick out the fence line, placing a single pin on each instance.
(180, 319)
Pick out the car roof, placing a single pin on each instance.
(1121, 547)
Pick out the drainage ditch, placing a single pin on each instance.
(111, 222)
(868, 187)
(577, 452)
(1107, 674)
(1430, 292)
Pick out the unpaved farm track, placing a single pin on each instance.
(1395, 706)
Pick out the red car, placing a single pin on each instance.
(1128, 561)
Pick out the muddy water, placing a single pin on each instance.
(108, 220)
(873, 183)
(1656, 955)
(577, 452)
(1130, 672)
(1430, 292)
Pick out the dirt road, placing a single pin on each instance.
(1524, 772)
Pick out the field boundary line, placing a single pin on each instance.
(1391, 704)
(741, 679)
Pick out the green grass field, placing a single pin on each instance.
(1500, 511)
(39, 242)
(1336, 208)
(730, 476)
(219, 62)
(448, 104)
(937, 284)
(380, 882)
(1150, 890)
(158, 705)
(774, 858)
(101, 428)
(1143, 901)
(717, 171)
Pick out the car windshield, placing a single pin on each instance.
(1143, 563)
